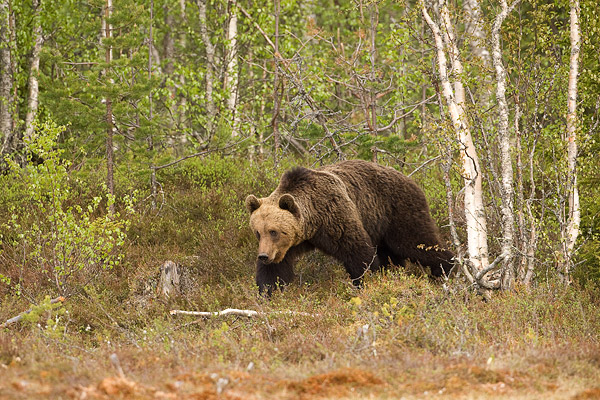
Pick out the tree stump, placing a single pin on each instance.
(170, 280)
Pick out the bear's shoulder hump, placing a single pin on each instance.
(295, 178)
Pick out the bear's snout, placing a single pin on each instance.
(264, 257)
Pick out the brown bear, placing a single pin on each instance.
(365, 215)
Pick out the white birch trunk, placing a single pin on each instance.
(182, 105)
(474, 207)
(232, 76)
(6, 80)
(210, 63)
(110, 183)
(574, 216)
(276, 97)
(507, 186)
(34, 69)
(475, 32)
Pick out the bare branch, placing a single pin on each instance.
(198, 155)
(310, 102)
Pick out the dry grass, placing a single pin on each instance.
(428, 343)
(400, 336)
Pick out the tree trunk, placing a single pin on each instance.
(232, 73)
(276, 97)
(571, 231)
(34, 68)
(507, 187)
(109, 115)
(522, 242)
(373, 59)
(153, 182)
(168, 43)
(475, 33)
(6, 80)
(168, 57)
(182, 102)
(210, 65)
(455, 98)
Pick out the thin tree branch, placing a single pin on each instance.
(157, 167)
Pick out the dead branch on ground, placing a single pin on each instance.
(238, 312)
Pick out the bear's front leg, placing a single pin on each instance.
(272, 276)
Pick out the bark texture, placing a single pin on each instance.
(455, 98)
(507, 191)
(232, 75)
(574, 215)
(210, 65)
(6, 80)
(109, 115)
(34, 69)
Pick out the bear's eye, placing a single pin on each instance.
(273, 233)
(257, 235)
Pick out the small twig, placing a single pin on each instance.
(399, 117)
(235, 311)
(424, 164)
(20, 316)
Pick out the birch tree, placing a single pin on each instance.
(6, 80)
(182, 105)
(454, 94)
(570, 230)
(232, 73)
(276, 83)
(107, 29)
(210, 65)
(34, 68)
(507, 186)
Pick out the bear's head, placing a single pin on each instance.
(276, 224)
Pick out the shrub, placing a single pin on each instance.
(47, 236)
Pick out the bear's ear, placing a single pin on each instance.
(252, 203)
(287, 202)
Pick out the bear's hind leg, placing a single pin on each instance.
(433, 256)
(388, 258)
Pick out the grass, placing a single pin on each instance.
(402, 335)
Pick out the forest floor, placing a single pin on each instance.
(384, 342)
(400, 336)
(459, 381)
(553, 374)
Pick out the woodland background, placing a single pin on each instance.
(131, 133)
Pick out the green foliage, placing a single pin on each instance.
(363, 146)
(68, 244)
(53, 314)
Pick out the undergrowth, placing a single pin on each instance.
(413, 333)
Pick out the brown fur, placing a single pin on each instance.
(365, 215)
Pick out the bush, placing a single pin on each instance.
(48, 238)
